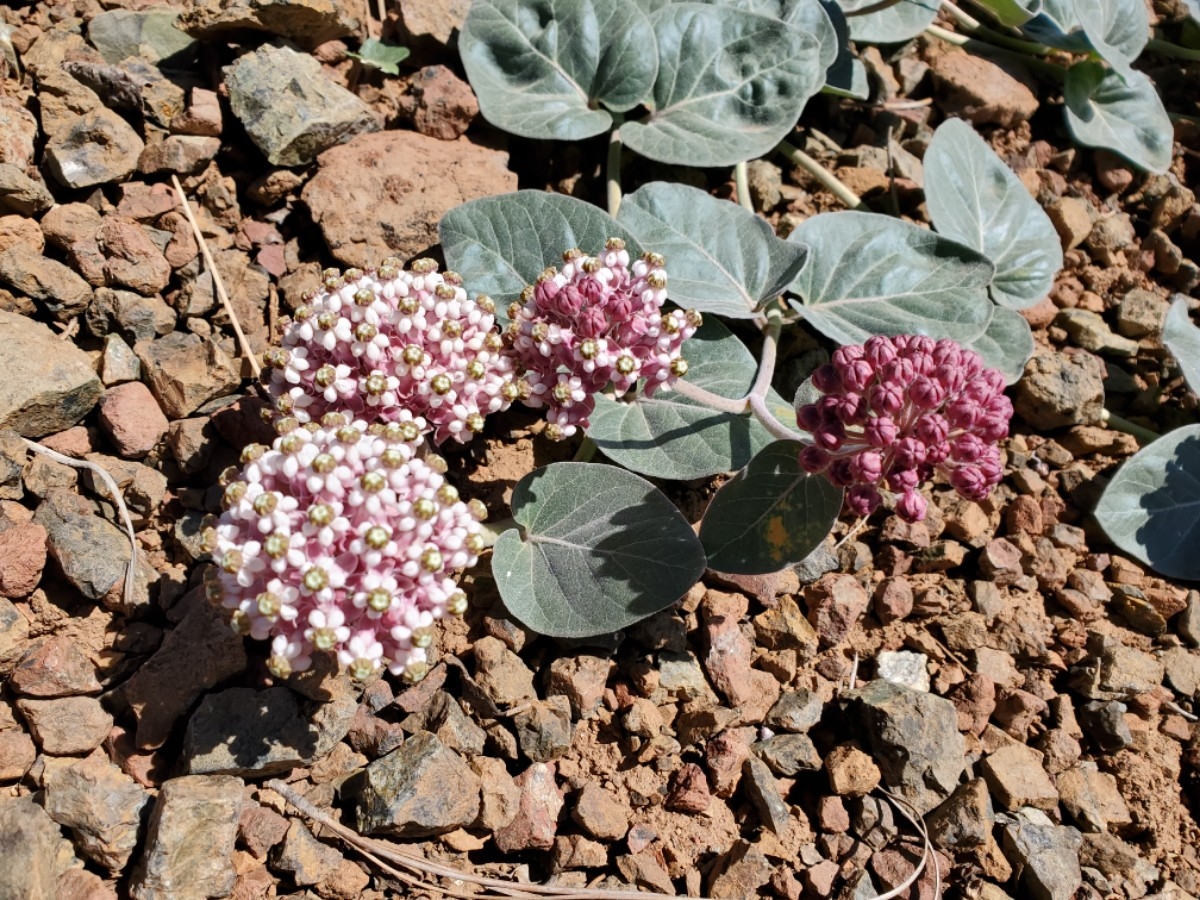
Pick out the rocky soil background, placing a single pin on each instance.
(1026, 688)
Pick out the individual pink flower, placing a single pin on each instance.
(341, 538)
(894, 411)
(388, 345)
(596, 322)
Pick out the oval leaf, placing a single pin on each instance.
(769, 515)
(1182, 340)
(975, 199)
(730, 85)
(1007, 344)
(672, 436)
(539, 67)
(1123, 115)
(1151, 508)
(500, 244)
(871, 274)
(603, 549)
(720, 258)
(1117, 29)
(895, 24)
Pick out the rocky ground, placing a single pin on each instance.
(999, 666)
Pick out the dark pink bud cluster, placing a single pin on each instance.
(385, 343)
(341, 538)
(597, 321)
(895, 410)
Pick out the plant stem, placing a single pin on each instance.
(1166, 48)
(587, 449)
(970, 23)
(798, 157)
(741, 178)
(970, 43)
(613, 167)
(1117, 423)
(709, 399)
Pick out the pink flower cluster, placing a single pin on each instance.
(597, 321)
(895, 410)
(385, 342)
(340, 538)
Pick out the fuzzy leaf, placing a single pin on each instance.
(769, 515)
(1117, 30)
(1182, 340)
(895, 24)
(731, 85)
(1124, 115)
(540, 67)
(808, 15)
(871, 274)
(602, 549)
(720, 258)
(1012, 12)
(672, 436)
(375, 54)
(500, 244)
(845, 76)
(1007, 344)
(1057, 24)
(1151, 508)
(975, 199)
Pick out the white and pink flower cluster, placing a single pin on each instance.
(894, 410)
(597, 321)
(386, 342)
(341, 538)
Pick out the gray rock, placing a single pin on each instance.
(820, 562)
(501, 674)
(150, 34)
(56, 288)
(1091, 332)
(308, 23)
(680, 675)
(1092, 799)
(764, 794)
(305, 858)
(185, 372)
(788, 754)
(134, 317)
(872, 819)
(1016, 778)
(19, 130)
(1141, 313)
(92, 552)
(119, 363)
(1060, 389)
(14, 635)
(1105, 724)
(544, 729)
(189, 841)
(66, 726)
(101, 805)
(13, 457)
(904, 667)
(48, 384)
(965, 819)
(1126, 671)
(21, 194)
(915, 741)
(1183, 671)
(31, 844)
(1189, 620)
(98, 148)
(419, 789)
(765, 180)
(290, 109)
(795, 711)
(1046, 855)
(241, 731)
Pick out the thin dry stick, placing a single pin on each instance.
(111, 484)
(218, 284)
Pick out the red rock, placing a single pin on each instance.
(55, 667)
(202, 116)
(835, 604)
(1017, 711)
(688, 790)
(724, 757)
(17, 754)
(1001, 561)
(444, 105)
(819, 878)
(132, 419)
(832, 815)
(981, 91)
(893, 599)
(77, 441)
(260, 828)
(851, 772)
(20, 231)
(22, 558)
(80, 884)
(132, 259)
(975, 700)
(145, 202)
(536, 821)
(68, 726)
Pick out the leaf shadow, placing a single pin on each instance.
(1173, 553)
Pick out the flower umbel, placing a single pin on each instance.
(597, 321)
(895, 410)
(392, 345)
(340, 538)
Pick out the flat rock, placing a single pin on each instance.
(1016, 778)
(66, 726)
(149, 34)
(31, 840)
(92, 552)
(305, 858)
(965, 819)
(21, 194)
(544, 728)
(54, 667)
(290, 109)
(501, 674)
(307, 23)
(796, 711)
(99, 147)
(49, 384)
(760, 786)
(51, 284)
(1092, 799)
(405, 183)
(17, 755)
(101, 805)
(421, 788)
(980, 91)
(598, 813)
(190, 839)
(131, 258)
(914, 738)
(185, 372)
(1060, 389)
(14, 633)
(119, 364)
(1047, 855)
(432, 21)
(18, 132)
(22, 558)
(131, 418)
(835, 604)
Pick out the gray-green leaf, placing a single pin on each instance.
(602, 549)
(672, 436)
(1182, 340)
(871, 274)
(1012, 12)
(730, 86)
(1007, 344)
(974, 198)
(1151, 508)
(375, 54)
(500, 244)
(1057, 23)
(845, 76)
(720, 258)
(895, 24)
(769, 515)
(540, 67)
(1117, 29)
(1124, 115)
